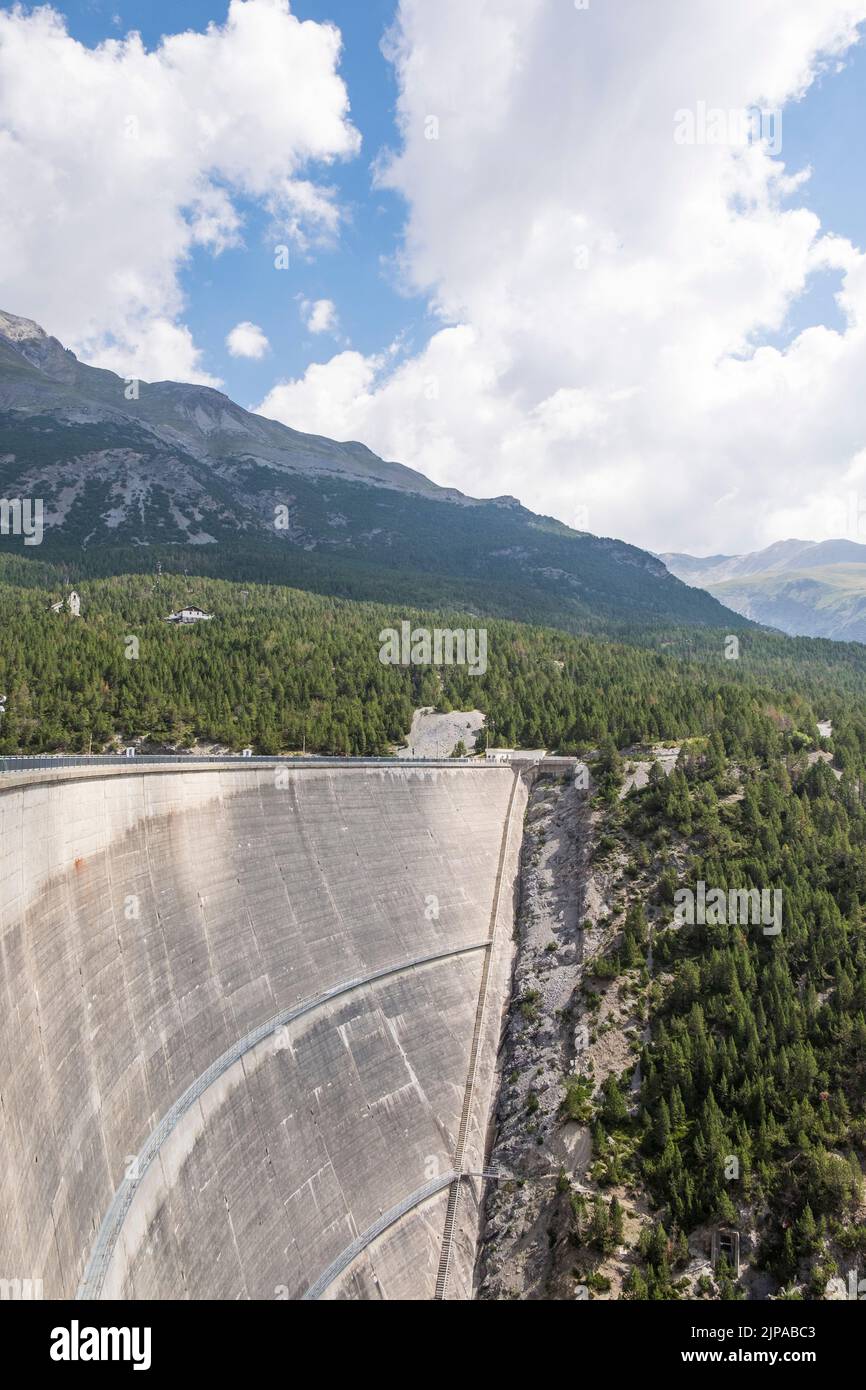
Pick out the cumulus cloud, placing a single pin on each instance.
(320, 316)
(118, 162)
(604, 287)
(247, 340)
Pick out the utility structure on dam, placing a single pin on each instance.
(250, 1016)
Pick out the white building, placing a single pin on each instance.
(72, 602)
(190, 615)
(508, 755)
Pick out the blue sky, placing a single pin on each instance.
(239, 285)
(358, 274)
(823, 132)
(580, 299)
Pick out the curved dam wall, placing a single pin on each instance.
(240, 1014)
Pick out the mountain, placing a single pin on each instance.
(135, 473)
(804, 588)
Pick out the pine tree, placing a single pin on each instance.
(599, 1226)
(617, 1222)
(806, 1232)
(614, 1109)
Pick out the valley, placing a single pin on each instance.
(799, 587)
(432, 675)
(646, 1085)
(661, 1082)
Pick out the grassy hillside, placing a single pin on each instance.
(279, 667)
(348, 539)
(825, 602)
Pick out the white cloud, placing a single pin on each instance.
(320, 316)
(332, 398)
(117, 162)
(247, 340)
(602, 287)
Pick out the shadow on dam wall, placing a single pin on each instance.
(240, 1014)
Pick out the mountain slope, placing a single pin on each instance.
(132, 473)
(804, 588)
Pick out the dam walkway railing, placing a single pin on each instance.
(161, 762)
(48, 762)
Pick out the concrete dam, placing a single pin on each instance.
(250, 1016)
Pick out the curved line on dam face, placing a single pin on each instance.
(112, 1224)
(366, 1238)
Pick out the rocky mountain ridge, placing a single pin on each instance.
(131, 473)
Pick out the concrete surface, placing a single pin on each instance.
(167, 943)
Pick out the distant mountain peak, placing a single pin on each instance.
(19, 330)
(804, 588)
(782, 557)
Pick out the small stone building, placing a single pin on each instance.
(190, 614)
